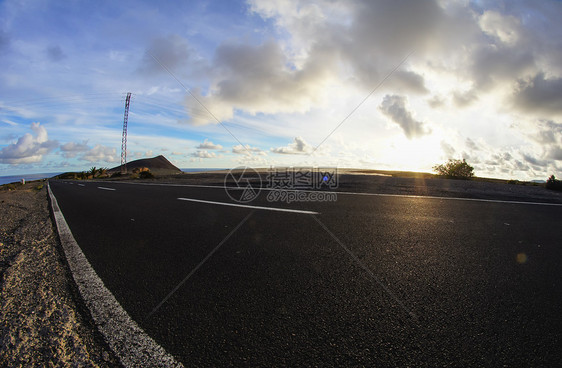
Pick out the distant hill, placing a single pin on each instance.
(158, 165)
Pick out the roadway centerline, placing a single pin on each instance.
(105, 188)
(367, 194)
(252, 207)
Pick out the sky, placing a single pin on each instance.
(389, 85)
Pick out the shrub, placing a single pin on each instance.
(8, 187)
(553, 183)
(455, 169)
(146, 175)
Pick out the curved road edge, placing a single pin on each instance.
(129, 342)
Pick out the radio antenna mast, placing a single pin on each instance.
(124, 139)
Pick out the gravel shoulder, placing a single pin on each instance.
(42, 321)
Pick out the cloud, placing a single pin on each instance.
(247, 150)
(9, 122)
(449, 150)
(471, 145)
(493, 65)
(28, 148)
(172, 51)
(548, 132)
(72, 149)
(505, 28)
(209, 145)
(365, 43)
(436, 102)
(54, 53)
(298, 147)
(259, 79)
(100, 153)
(555, 153)
(463, 99)
(203, 154)
(394, 107)
(539, 95)
(533, 160)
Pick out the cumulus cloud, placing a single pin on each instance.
(505, 28)
(100, 153)
(208, 145)
(298, 147)
(72, 149)
(539, 95)
(259, 79)
(365, 42)
(394, 107)
(29, 148)
(247, 150)
(203, 154)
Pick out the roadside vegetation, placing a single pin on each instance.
(455, 169)
(554, 184)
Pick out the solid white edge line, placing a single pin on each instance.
(105, 188)
(252, 207)
(361, 194)
(130, 343)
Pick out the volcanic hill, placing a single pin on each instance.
(158, 165)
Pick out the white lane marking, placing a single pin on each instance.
(248, 206)
(104, 188)
(129, 342)
(362, 194)
(81, 185)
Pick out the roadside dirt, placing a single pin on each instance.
(42, 321)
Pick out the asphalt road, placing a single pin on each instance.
(368, 281)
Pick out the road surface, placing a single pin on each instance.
(362, 281)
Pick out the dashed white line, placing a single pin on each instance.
(248, 206)
(81, 185)
(105, 188)
(359, 194)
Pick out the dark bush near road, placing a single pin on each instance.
(455, 169)
(553, 183)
